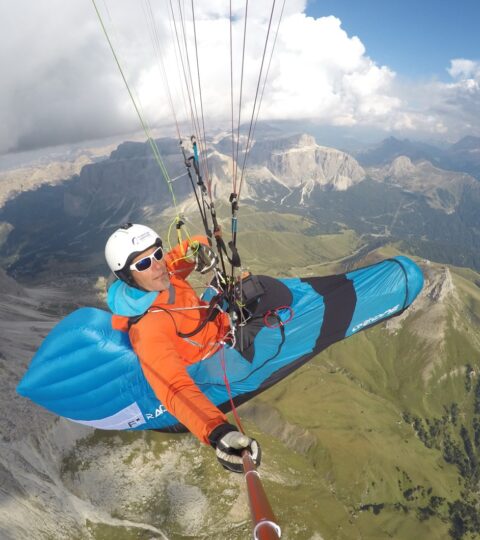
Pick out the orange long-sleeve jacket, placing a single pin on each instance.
(165, 356)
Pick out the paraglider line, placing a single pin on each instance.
(152, 143)
(250, 132)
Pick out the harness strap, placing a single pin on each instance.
(213, 310)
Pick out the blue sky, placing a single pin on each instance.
(415, 38)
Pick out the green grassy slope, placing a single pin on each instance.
(392, 416)
(279, 244)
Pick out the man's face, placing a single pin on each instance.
(156, 277)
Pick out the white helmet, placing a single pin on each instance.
(125, 244)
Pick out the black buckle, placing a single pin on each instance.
(249, 290)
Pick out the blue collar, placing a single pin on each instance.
(129, 301)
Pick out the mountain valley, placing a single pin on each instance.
(377, 437)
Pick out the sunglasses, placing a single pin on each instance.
(146, 262)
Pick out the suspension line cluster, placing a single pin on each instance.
(191, 91)
(185, 46)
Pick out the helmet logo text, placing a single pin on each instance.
(138, 239)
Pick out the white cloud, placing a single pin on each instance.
(461, 68)
(449, 109)
(57, 83)
(62, 84)
(317, 71)
(322, 73)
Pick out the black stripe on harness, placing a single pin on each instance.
(340, 299)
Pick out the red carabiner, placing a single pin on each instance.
(274, 313)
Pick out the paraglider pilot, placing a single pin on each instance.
(154, 302)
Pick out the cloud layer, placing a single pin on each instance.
(62, 84)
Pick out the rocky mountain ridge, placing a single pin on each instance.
(54, 168)
(302, 160)
(280, 168)
(290, 159)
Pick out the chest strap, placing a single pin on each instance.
(212, 311)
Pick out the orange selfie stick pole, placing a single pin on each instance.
(265, 526)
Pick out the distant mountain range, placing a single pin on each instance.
(463, 156)
(405, 197)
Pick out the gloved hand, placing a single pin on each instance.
(229, 444)
(204, 256)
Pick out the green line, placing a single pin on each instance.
(152, 143)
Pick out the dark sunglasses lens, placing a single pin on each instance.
(158, 254)
(143, 264)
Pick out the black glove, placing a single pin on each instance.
(204, 256)
(229, 444)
